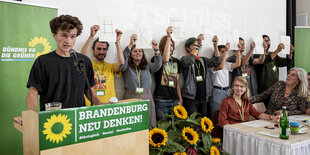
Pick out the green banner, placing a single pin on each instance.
(24, 35)
(302, 47)
(75, 125)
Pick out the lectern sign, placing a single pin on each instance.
(69, 126)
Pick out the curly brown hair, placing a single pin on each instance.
(143, 62)
(66, 22)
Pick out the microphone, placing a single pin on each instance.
(75, 60)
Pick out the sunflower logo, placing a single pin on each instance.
(57, 128)
(190, 135)
(216, 140)
(180, 153)
(158, 137)
(42, 41)
(205, 121)
(214, 151)
(180, 112)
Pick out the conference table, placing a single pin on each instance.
(252, 138)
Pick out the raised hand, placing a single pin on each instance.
(215, 40)
(227, 46)
(169, 31)
(280, 47)
(154, 44)
(200, 38)
(94, 29)
(133, 39)
(252, 45)
(119, 34)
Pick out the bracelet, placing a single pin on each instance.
(155, 50)
(157, 53)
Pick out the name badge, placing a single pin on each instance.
(245, 74)
(199, 78)
(171, 83)
(100, 92)
(139, 90)
(274, 68)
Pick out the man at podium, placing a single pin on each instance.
(54, 76)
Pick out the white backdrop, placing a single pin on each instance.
(248, 17)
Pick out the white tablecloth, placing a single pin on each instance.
(239, 139)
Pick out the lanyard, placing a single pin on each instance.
(168, 72)
(138, 75)
(98, 75)
(198, 67)
(241, 114)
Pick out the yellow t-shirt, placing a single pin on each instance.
(105, 80)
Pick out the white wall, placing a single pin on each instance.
(247, 16)
(303, 6)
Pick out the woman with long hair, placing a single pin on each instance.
(137, 74)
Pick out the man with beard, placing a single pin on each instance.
(104, 71)
(268, 71)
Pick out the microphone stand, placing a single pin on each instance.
(81, 68)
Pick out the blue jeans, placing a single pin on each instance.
(164, 107)
(216, 99)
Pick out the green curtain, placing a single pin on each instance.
(24, 35)
(302, 48)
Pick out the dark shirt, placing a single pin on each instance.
(295, 105)
(57, 80)
(162, 89)
(268, 72)
(201, 93)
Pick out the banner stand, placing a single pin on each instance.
(133, 143)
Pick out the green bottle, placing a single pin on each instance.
(284, 125)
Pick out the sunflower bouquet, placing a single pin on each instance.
(180, 134)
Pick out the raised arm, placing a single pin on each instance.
(93, 30)
(120, 56)
(127, 51)
(222, 64)
(156, 65)
(32, 98)
(246, 58)
(238, 58)
(277, 51)
(261, 58)
(166, 53)
(216, 50)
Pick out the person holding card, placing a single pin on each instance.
(54, 77)
(197, 86)
(104, 71)
(137, 74)
(220, 75)
(247, 69)
(237, 108)
(167, 92)
(291, 93)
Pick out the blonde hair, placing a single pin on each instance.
(246, 94)
(302, 87)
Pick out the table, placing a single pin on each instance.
(240, 139)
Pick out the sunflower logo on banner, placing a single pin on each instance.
(57, 128)
(42, 41)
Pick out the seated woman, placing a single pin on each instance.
(292, 93)
(237, 108)
(137, 74)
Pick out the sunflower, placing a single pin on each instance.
(57, 128)
(42, 41)
(190, 135)
(206, 121)
(157, 137)
(180, 153)
(214, 151)
(180, 112)
(216, 140)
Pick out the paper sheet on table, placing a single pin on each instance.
(233, 39)
(286, 40)
(255, 124)
(298, 118)
(106, 31)
(178, 28)
(144, 34)
(275, 135)
(259, 47)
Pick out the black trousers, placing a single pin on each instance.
(199, 104)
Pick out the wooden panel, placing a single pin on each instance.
(17, 125)
(135, 143)
(30, 132)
